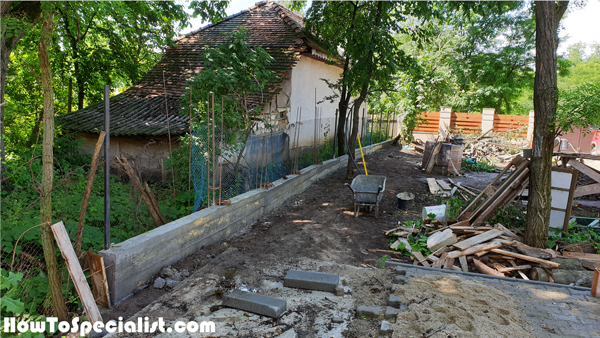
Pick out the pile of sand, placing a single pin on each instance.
(463, 308)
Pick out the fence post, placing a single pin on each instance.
(107, 168)
(530, 126)
(487, 120)
(444, 122)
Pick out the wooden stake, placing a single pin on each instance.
(83, 289)
(87, 193)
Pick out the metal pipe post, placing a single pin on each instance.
(107, 167)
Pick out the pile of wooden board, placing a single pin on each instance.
(493, 250)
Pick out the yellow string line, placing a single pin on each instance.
(362, 156)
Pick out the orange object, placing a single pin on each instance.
(596, 284)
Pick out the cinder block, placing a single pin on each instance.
(368, 311)
(311, 280)
(252, 302)
(394, 301)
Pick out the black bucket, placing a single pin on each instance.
(405, 200)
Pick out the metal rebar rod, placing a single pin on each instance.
(335, 131)
(214, 178)
(107, 167)
(221, 155)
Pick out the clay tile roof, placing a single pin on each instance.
(140, 110)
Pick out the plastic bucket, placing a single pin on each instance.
(438, 210)
(405, 200)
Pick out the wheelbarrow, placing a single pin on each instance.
(367, 191)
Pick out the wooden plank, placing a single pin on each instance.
(593, 174)
(432, 258)
(385, 251)
(459, 228)
(526, 258)
(584, 190)
(514, 268)
(596, 284)
(444, 184)
(481, 253)
(482, 268)
(519, 271)
(420, 258)
(449, 263)
(98, 277)
(463, 263)
(433, 157)
(484, 237)
(434, 188)
(477, 248)
(438, 264)
(581, 255)
(83, 289)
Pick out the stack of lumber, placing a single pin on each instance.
(498, 193)
(446, 188)
(492, 250)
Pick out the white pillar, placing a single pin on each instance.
(444, 123)
(530, 126)
(487, 120)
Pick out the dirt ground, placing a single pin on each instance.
(317, 231)
(319, 224)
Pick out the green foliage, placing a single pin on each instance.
(511, 216)
(453, 207)
(8, 282)
(579, 107)
(576, 234)
(234, 71)
(478, 166)
(383, 259)
(419, 243)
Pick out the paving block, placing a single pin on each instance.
(391, 313)
(386, 328)
(252, 302)
(309, 280)
(401, 279)
(337, 320)
(394, 301)
(339, 290)
(368, 311)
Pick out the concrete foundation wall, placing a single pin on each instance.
(134, 262)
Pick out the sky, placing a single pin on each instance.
(580, 24)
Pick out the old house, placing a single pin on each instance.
(144, 115)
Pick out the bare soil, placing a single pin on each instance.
(319, 224)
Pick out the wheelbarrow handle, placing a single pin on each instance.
(380, 189)
(349, 187)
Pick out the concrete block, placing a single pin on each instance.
(337, 320)
(391, 313)
(401, 279)
(394, 301)
(311, 280)
(386, 328)
(339, 290)
(368, 311)
(252, 302)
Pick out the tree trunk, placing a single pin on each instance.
(28, 11)
(58, 302)
(363, 94)
(545, 97)
(352, 140)
(343, 109)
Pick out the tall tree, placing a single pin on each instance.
(58, 302)
(17, 18)
(545, 98)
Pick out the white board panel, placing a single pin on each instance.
(561, 180)
(560, 199)
(557, 219)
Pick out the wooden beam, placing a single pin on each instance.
(98, 277)
(420, 258)
(514, 268)
(581, 255)
(433, 157)
(477, 248)
(584, 190)
(593, 174)
(484, 237)
(519, 271)
(526, 258)
(83, 289)
(463, 263)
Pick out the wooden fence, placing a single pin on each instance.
(471, 123)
